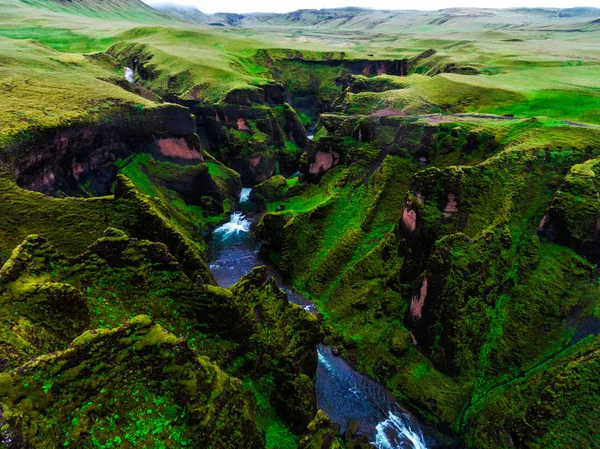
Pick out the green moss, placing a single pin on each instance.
(119, 278)
(277, 434)
(80, 398)
(551, 405)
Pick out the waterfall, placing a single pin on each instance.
(394, 432)
(245, 195)
(236, 224)
(129, 74)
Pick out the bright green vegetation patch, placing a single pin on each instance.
(277, 435)
(44, 88)
(60, 39)
(152, 178)
(71, 223)
(309, 199)
(557, 104)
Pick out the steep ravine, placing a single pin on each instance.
(358, 404)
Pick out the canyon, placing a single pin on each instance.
(298, 231)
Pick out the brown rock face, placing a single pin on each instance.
(409, 219)
(324, 161)
(66, 158)
(177, 148)
(451, 206)
(242, 125)
(418, 301)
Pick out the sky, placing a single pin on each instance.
(245, 6)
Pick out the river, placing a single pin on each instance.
(342, 393)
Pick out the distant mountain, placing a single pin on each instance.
(579, 12)
(194, 15)
(353, 18)
(183, 12)
(349, 18)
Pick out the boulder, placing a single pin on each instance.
(351, 430)
(321, 433)
(273, 189)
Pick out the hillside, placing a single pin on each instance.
(182, 12)
(126, 10)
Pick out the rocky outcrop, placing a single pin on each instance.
(466, 279)
(80, 159)
(573, 218)
(361, 128)
(252, 330)
(294, 128)
(136, 385)
(179, 149)
(141, 217)
(321, 433)
(273, 189)
(39, 314)
(361, 83)
(320, 157)
(398, 67)
(287, 334)
(432, 207)
(245, 96)
(323, 162)
(255, 136)
(424, 142)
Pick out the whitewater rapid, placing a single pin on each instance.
(129, 74)
(395, 432)
(233, 252)
(345, 394)
(237, 223)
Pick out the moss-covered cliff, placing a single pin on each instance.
(136, 385)
(447, 291)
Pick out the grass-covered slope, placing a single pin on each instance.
(447, 291)
(552, 406)
(125, 10)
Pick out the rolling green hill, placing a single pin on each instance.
(126, 10)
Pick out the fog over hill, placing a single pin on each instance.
(355, 18)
